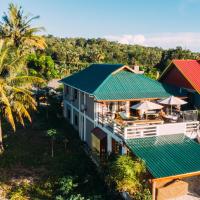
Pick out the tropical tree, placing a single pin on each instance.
(52, 134)
(15, 98)
(16, 27)
(42, 66)
(126, 174)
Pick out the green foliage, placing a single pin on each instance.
(66, 185)
(16, 27)
(126, 174)
(27, 159)
(18, 193)
(74, 54)
(145, 194)
(52, 133)
(42, 65)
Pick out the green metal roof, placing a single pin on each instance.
(128, 85)
(92, 77)
(167, 155)
(100, 81)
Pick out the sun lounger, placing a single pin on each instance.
(123, 116)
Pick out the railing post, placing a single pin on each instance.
(157, 130)
(185, 128)
(114, 128)
(141, 133)
(125, 133)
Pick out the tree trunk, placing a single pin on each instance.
(1, 137)
(52, 153)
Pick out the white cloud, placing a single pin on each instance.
(188, 40)
(127, 39)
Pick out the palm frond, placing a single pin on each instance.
(6, 108)
(26, 80)
(21, 112)
(23, 96)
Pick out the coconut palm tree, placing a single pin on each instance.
(15, 97)
(17, 27)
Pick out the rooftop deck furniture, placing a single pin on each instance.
(123, 115)
(171, 118)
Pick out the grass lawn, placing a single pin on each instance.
(28, 171)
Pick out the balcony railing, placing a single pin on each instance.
(189, 128)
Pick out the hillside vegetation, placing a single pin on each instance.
(73, 54)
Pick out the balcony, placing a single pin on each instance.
(135, 128)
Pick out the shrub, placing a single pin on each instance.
(66, 186)
(126, 174)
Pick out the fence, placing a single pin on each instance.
(189, 128)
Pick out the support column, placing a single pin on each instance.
(72, 115)
(154, 190)
(128, 108)
(79, 114)
(72, 111)
(109, 144)
(84, 120)
(95, 114)
(64, 109)
(124, 150)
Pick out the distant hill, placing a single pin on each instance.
(76, 53)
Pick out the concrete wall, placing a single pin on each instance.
(89, 112)
(65, 95)
(75, 101)
(67, 109)
(89, 127)
(90, 106)
(71, 94)
(76, 114)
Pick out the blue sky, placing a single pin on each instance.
(164, 23)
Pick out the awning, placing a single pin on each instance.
(167, 156)
(100, 134)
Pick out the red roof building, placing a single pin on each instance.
(183, 73)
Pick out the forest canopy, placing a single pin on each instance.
(73, 54)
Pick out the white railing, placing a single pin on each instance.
(189, 128)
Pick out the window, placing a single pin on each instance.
(75, 94)
(76, 120)
(68, 113)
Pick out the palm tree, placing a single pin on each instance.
(17, 27)
(15, 98)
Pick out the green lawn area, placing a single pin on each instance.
(28, 171)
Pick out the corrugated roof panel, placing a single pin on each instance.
(190, 70)
(100, 81)
(127, 85)
(91, 78)
(167, 155)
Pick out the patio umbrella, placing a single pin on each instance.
(147, 105)
(172, 100)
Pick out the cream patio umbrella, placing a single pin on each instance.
(146, 105)
(172, 101)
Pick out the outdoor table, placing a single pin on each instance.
(173, 117)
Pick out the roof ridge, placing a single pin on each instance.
(111, 74)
